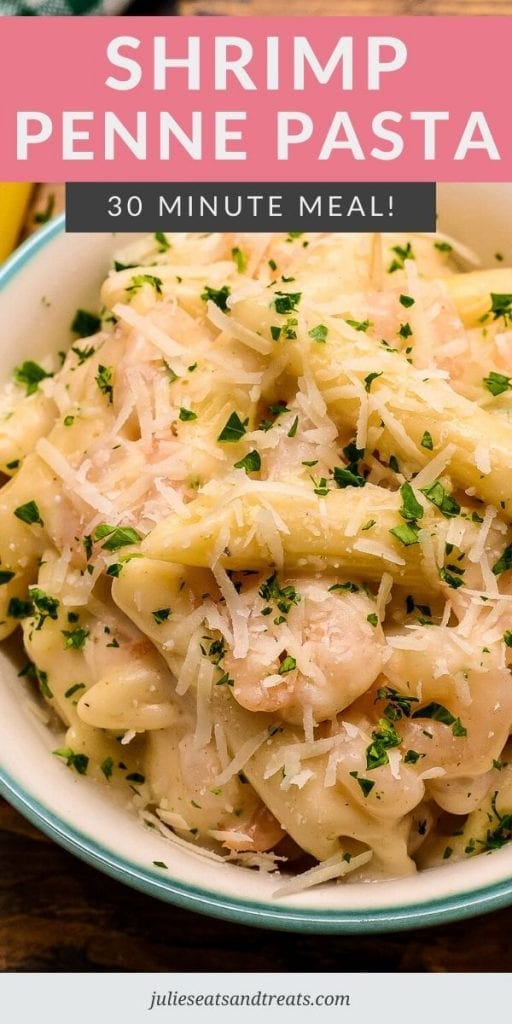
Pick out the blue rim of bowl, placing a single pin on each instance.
(205, 901)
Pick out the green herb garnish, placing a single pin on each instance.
(436, 494)
(74, 639)
(29, 513)
(161, 615)
(185, 415)
(219, 296)
(233, 430)
(84, 323)
(117, 536)
(140, 280)
(286, 302)
(240, 259)
(319, 333)
(79, 762)
(163, 244)
(250, 462)
(103, 379)
(30, 374)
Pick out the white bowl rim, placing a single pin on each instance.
(429, 912)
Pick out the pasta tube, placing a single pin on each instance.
(400, 401)
(471, 292)
(328, 532)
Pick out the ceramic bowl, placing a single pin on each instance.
(40, 288)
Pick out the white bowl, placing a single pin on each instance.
(40, 288)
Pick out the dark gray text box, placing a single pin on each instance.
(289, 206)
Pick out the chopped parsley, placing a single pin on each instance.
(406, 301)
(68, 421)
(117, 536)
(402, 253)
(448, 577)
(405, 331)
(436, 494)
(406, 533)
(84, 323)
(319, 333)
(497, 383)
(83, 354)
(282, 597)
(45, 606)
(366, 785)
(504, 561)
(240, 259)
(443, 246)
(74, 689)
(439, 713)
(103, 379)
(42, 679)
(359, 325)
(118, 266)
(161, 615)
(136, 777)
(233, 429)
(373, 619)
(19, 609)
(412, 757)
(350, 588)
(368, 525)
(163, 244)
(107, 767)
(43, 216)
(186, 414)
(286, 302)
(384, 737)
(250, 462)
(219, 296)
(501, 305)
(7, 574)
(426, 441)
(225, 680)
(368, 381)
(29, 375)
(79, 762)
(293, 429)
(399, 704)
(74, 639)
(502, 834)
(29, 513)
(507, 636)
(411, 509)
(288, 665)
(344, 477)
(140, 280)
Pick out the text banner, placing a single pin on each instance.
(256, 99)
(97, 206)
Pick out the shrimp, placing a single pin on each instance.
(312, 648)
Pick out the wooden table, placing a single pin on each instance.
(57, 914)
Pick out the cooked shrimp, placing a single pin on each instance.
(318, 655)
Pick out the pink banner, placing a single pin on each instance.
(256, 99)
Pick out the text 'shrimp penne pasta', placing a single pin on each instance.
(258, 539)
